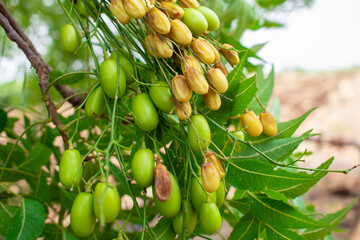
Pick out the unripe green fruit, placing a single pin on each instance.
(190, 219)
(70, 38)
(211, 18)
(95, 105)
(210, 218)
(220, 194)
(82, 217)
(198, 195)
(201, 127)
(161, 96)
(125, 64)
(142, 166)
(195, 21)
(106, 202)
(144, 111)
(109, 74)
(70, 169)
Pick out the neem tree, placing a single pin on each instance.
(177, 110)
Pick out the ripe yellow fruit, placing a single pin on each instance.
(231, 56)
(268, 122)
(222, 67)
(216, 52)
(251, 124)
(189, 3)
(183, 110)
(163, 46)
(203, 51)
(211, 157)
(172, 9)
(135, 8)
(196, 81)
(217, 79)
(189, 60)
(180, 33)
(158, 21)
(182, 92)
(210, 177)
(117, 9)
(212, 100)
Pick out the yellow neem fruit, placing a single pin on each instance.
(163, 46)
(196, 81)
(180, 33)
(189, 3)
(231, 56)
(210, 177)
(135, 8)
(216, 52)
(222, 67)
(158, 21)
(172, 9)
(268, 122)
(183, 110)
(189, 60)
(212, 100)
(251, 124)
(117, 9)
(150, 45)
(203, 51)
(182, 92)
(211, 157)
(217, 79)
(172, 1)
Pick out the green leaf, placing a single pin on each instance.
(332, 220)
(246, 228)
(163, 229)
(242, 205)
(265, 88)
(246, 94)
(234, 79)
(28, 222)
(279, 214)
(37, 157)
(3, 119)
(7, 214)
(256, 175)
(282, 234)
(278, 149)
(301, 188)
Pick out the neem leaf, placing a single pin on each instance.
(282, 234)
(245, 95)
(163, 229)
(246, 228)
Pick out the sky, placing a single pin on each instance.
(323, 37)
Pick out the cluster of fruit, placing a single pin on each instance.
(179, 32)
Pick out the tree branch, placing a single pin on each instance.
(15, 34)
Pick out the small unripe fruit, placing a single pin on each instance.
(222, 67)
(196, 81)
(220, 194)
(199, 134)
(95, 105)
(106, 202)
(183, 110)
(172, 9)
(195, 21)
(210, 177)
(203, 51)
(180, 89)
(217, 79)
(211, 157)
(239, 134)
(212, 100)
(70, 168)
(70, 38)
(189, 3)
(134, 8)
(210, 218)
(180, 33)
(251, 124)
(189, 60)
(231, 56)
(190, 219)
(211, 18)
(158, 21)
(268, 123)
(117, 9)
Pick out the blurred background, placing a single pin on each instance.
(314, 46)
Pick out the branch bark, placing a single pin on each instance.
(15, 34)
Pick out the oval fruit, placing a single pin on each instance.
(199, 127)
(125, 64)
(195, 21)
(70, 169)
(210, 177)
(82, 217)
(106, 202)
(70, 38)
(95, 105)
(142, 166)
(109, 76)
(268, 122)
(198, 195)
(251, 124)
(171, 206)
(161, 96)
(190, 219)
(220, 194)
(210, 218)
(211, 18)
(144, 111)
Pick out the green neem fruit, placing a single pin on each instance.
(195, 21)
(201, 128)
(144, 111)
(198, 195)
(125, 64)
(106, 202)
(211, 18)
(171, 206)
(82, 9)
(220, 194)
(239, 134)
(95, 105)
(70, 169)
(210, 218)
(161, 96)
(82, 217)
(190, 219)
(142, 166)
(109, 73)
(70, 38)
